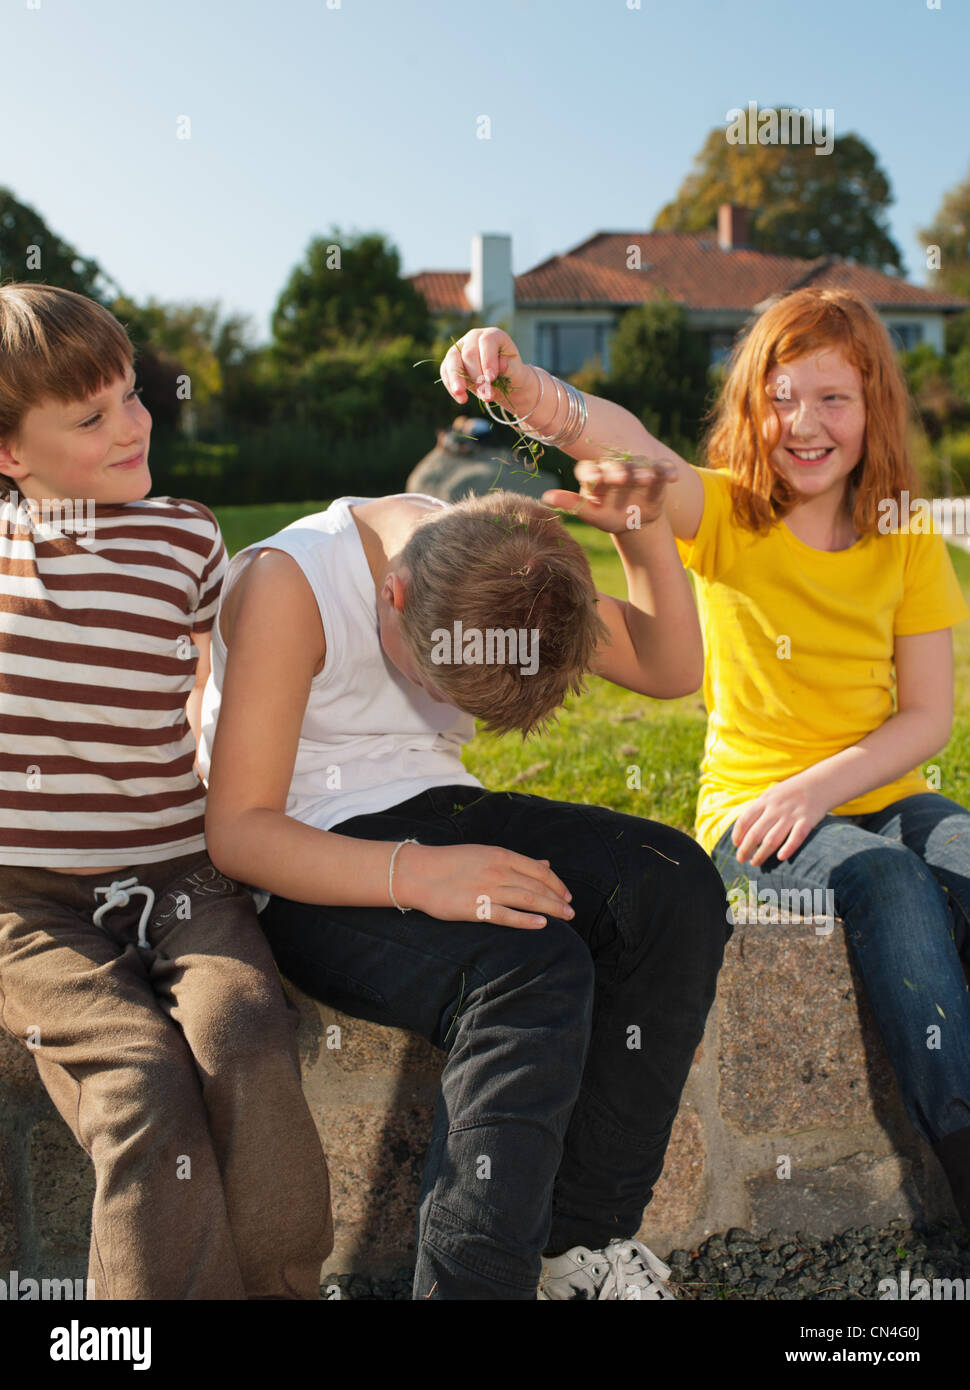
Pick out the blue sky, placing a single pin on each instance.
(306, 113)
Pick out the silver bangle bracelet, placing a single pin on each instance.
(390, 874)
(549, 438)
(577, 415)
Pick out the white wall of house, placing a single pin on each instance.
(541, 334)
(915, 328)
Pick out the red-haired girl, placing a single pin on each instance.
(829, 667)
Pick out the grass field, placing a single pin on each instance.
(603, 733)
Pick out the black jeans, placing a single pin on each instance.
(567, 1047)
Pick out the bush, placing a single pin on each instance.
(937, 396)
(956, 447)
(935, 478)
(287, 463)
(342, 391)
(658, 371)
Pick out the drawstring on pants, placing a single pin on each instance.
(118, 894)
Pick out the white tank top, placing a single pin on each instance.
(370, 738)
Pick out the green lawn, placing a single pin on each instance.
(607, 731)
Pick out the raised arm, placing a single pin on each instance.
(484, 354)
(655, 645)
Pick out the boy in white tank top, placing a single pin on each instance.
(529, 939)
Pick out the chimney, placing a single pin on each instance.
(490, 289)
(733, 227)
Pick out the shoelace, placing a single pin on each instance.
(119, 894)
(634, 1272)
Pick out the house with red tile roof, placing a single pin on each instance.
(561, 313)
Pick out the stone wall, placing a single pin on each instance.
(790, 1078)
(46, 1181)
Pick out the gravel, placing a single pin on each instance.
(777, 1266)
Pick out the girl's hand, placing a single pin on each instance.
(483, 883)
(481, 355)
(781, 816)
(617, 495)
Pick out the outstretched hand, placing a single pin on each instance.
(617, 495)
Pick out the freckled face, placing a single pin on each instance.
(820, 405)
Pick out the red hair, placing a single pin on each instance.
(745, 427)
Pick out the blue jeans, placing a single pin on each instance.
(567, 1047)
(901, 883)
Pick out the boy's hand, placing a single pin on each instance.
(469, 883)
(616, 496)
(777, 821)
(481, 355)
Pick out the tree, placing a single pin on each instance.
(957, 332)
(348, 290)
(175, 341)
(937, 394)
(950, 231)
(30, 252)
(352, 391)
(658, 371)
(802, 203)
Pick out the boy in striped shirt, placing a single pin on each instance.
(132, 968)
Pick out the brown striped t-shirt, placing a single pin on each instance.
(96, 664)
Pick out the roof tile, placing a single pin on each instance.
(690, 267)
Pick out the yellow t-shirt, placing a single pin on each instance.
(798, 647)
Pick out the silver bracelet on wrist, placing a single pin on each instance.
(576, 418)
(577, 414)
(390, 874)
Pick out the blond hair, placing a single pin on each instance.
(502, 561)
(53, 344)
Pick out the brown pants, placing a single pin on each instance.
(175, 1065)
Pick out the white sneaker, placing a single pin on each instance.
(625, 1269)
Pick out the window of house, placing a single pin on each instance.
(719, 347)
(906, 335)
(563, 348)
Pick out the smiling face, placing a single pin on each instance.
(820, 404)
(95, 449)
